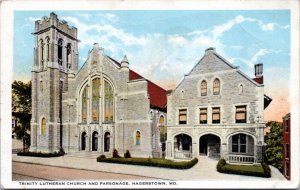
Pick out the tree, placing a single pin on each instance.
(274, 141)
(21, 109)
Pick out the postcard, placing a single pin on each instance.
(149, 94)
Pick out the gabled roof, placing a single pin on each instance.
(158, 95)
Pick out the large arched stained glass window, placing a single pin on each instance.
(109, 102)
(95, 100)
(84, 105)
(43, 126)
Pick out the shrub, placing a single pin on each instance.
(220, 164)
(116, 154)
(267, 169)
(40, 154)
(127, 154)
(258, 170)
(102, 156)
(151, 162)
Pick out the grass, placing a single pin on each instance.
(153, 162)
(246, 168)
(258, 170)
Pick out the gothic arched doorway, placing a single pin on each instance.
(106, 142)
(182, 146)
(83, 141)
(209, 145)
(95, 141)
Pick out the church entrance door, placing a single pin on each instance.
(83, 141)
(95, 141)
(106, 142)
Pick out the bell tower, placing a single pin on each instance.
(55, 61)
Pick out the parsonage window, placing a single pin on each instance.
(203, 115)
(216, 87)
(182, 116)
(241, 114)
(216, 115)
(239, 143)
(203, 88)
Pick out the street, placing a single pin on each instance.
(25, 171)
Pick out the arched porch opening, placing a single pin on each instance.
(241, 148)
(209, 145)
(182, 146)
(95, 141)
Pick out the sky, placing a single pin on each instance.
(165, 45)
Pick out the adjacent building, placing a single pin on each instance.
(217, 111)
(101, 106)
(286, 146)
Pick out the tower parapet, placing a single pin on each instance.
(46, 23)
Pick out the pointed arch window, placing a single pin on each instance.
(84, 105)
(95, 99)
(48, 48)
(138, 138)
(204, 88)
(216, 87)
(43, 126)
(68, 57)
(241, 89)
(59, 51)
(161, 120)
(42, 52)
(109, 102)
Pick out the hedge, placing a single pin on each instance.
(151, 162)
(259, 170)
(40, 154)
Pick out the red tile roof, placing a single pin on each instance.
(158, 95)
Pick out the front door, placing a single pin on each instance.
(95, 141)
(83, 141)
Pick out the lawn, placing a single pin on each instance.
(259, 170)
(153, 162)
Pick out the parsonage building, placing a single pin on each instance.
(216, 110)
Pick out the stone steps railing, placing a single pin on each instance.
(241, 159)
(183, 155)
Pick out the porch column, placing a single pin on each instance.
(224, 150)
(169, 149)
(195, 149)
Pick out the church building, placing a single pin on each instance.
(103, 105)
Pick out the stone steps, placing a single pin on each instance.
(90, 155)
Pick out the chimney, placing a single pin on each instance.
(210, 50)
(258, 72)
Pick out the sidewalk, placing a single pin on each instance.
(205, 169)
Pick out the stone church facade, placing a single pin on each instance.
(99, 107)
(217, 111)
